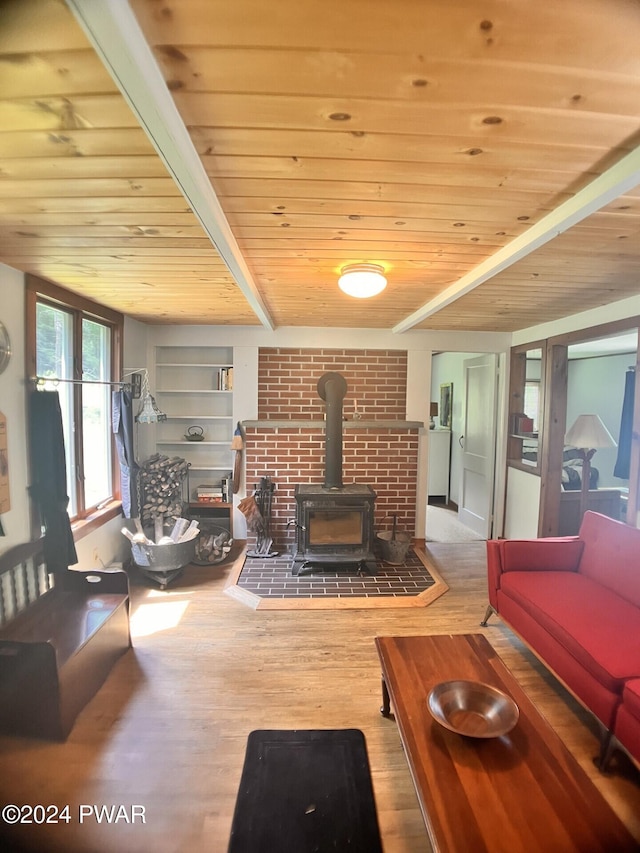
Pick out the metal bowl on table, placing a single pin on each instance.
(472, 708)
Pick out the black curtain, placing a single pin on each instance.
(122, 424)
(49, 479)
(621, 468)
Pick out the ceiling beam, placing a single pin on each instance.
(616, 181)
(116, 36)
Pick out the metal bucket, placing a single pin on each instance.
(394, 546)
(163, 558)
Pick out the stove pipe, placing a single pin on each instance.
(332, 387)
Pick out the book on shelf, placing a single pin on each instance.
(209, 494)
(523, 425)
(225, 379)
(207, 490)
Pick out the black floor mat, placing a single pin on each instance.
(306, 791)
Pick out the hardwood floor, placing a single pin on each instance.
(168, 730)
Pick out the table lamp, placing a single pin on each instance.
(588, 434)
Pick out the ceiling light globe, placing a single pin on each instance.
(362, 280)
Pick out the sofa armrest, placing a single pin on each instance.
(559, 554)
(494, 569)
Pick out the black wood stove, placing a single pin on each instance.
(334, 522)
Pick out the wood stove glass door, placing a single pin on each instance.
(335, 527)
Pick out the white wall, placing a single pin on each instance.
(13, 406)
(522, 505)
(418, 366)
(419, 345)
(135, 357)
(519, 500)
(103, 547)
(449, 367)
(596, 387)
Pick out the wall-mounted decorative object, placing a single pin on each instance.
(5, 348)
(446, 404)
(5, 501)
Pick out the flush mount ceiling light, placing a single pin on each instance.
(362, 280)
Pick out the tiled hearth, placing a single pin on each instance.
(268, 583)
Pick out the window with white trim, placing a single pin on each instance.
(74, 340)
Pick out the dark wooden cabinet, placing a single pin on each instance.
(218, 514)
(606, 501)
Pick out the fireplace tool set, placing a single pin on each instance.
(256, 509)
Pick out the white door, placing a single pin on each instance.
(478, 441)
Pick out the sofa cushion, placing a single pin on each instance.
(596, 697)
(611, 555)
(631, 697)
(542, 555)
(597, 627)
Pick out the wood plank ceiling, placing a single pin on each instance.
(423, 136)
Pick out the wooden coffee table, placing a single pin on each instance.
(520, 792)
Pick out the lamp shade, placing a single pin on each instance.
(589, 433)
(433, 410)
(362, 280)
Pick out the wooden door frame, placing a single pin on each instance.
(554, 413)
(554, 422)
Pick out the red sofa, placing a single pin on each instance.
(575, 601)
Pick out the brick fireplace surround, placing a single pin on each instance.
(287, 441)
